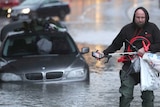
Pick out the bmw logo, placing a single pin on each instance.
(43, 68)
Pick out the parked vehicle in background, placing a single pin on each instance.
(31, 9)
(6, 4)
(44, 54)
(16, 25)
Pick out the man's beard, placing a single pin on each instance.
(140, 25)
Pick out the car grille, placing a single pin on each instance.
(34, 76)
(43, 76)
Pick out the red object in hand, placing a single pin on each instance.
(146, 47)
(124, 58)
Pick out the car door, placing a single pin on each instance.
(42, 11)
(49, 8)
(54, 7)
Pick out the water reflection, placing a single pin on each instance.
(41, 95)
(73, 94)
(99, 66)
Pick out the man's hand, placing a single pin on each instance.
(141, 51)
(98, 55)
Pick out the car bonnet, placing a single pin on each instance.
(36, 64)
(32, 7)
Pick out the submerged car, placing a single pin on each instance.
(7, 4)
(20, 24)
(32, 9)
(43, 57)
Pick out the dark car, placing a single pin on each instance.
(31, 9)
(42, 56)
(6, 4)
(20, 24)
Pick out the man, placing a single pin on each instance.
(140, 35)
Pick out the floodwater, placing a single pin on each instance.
(76, 94)
(94, 28)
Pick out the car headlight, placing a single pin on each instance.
(26, 11)
(76, 73)
(9, 10)
(10, 77)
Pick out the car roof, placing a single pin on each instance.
(11, 27)
(21, 33)
(27, 26)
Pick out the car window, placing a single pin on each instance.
(51, 1)
(54, 1)
(61, 43)
(37, 44)
(31, 2)
(62, 46)
(20, 46)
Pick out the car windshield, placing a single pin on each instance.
(31, 2)
(38, 44)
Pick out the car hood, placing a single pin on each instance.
(32, 7)
(38, 63)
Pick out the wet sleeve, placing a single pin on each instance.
(116, 44)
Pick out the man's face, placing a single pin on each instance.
(140, 18)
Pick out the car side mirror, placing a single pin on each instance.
(84, 50)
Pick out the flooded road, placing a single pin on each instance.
(94, 24)
(73, 94)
